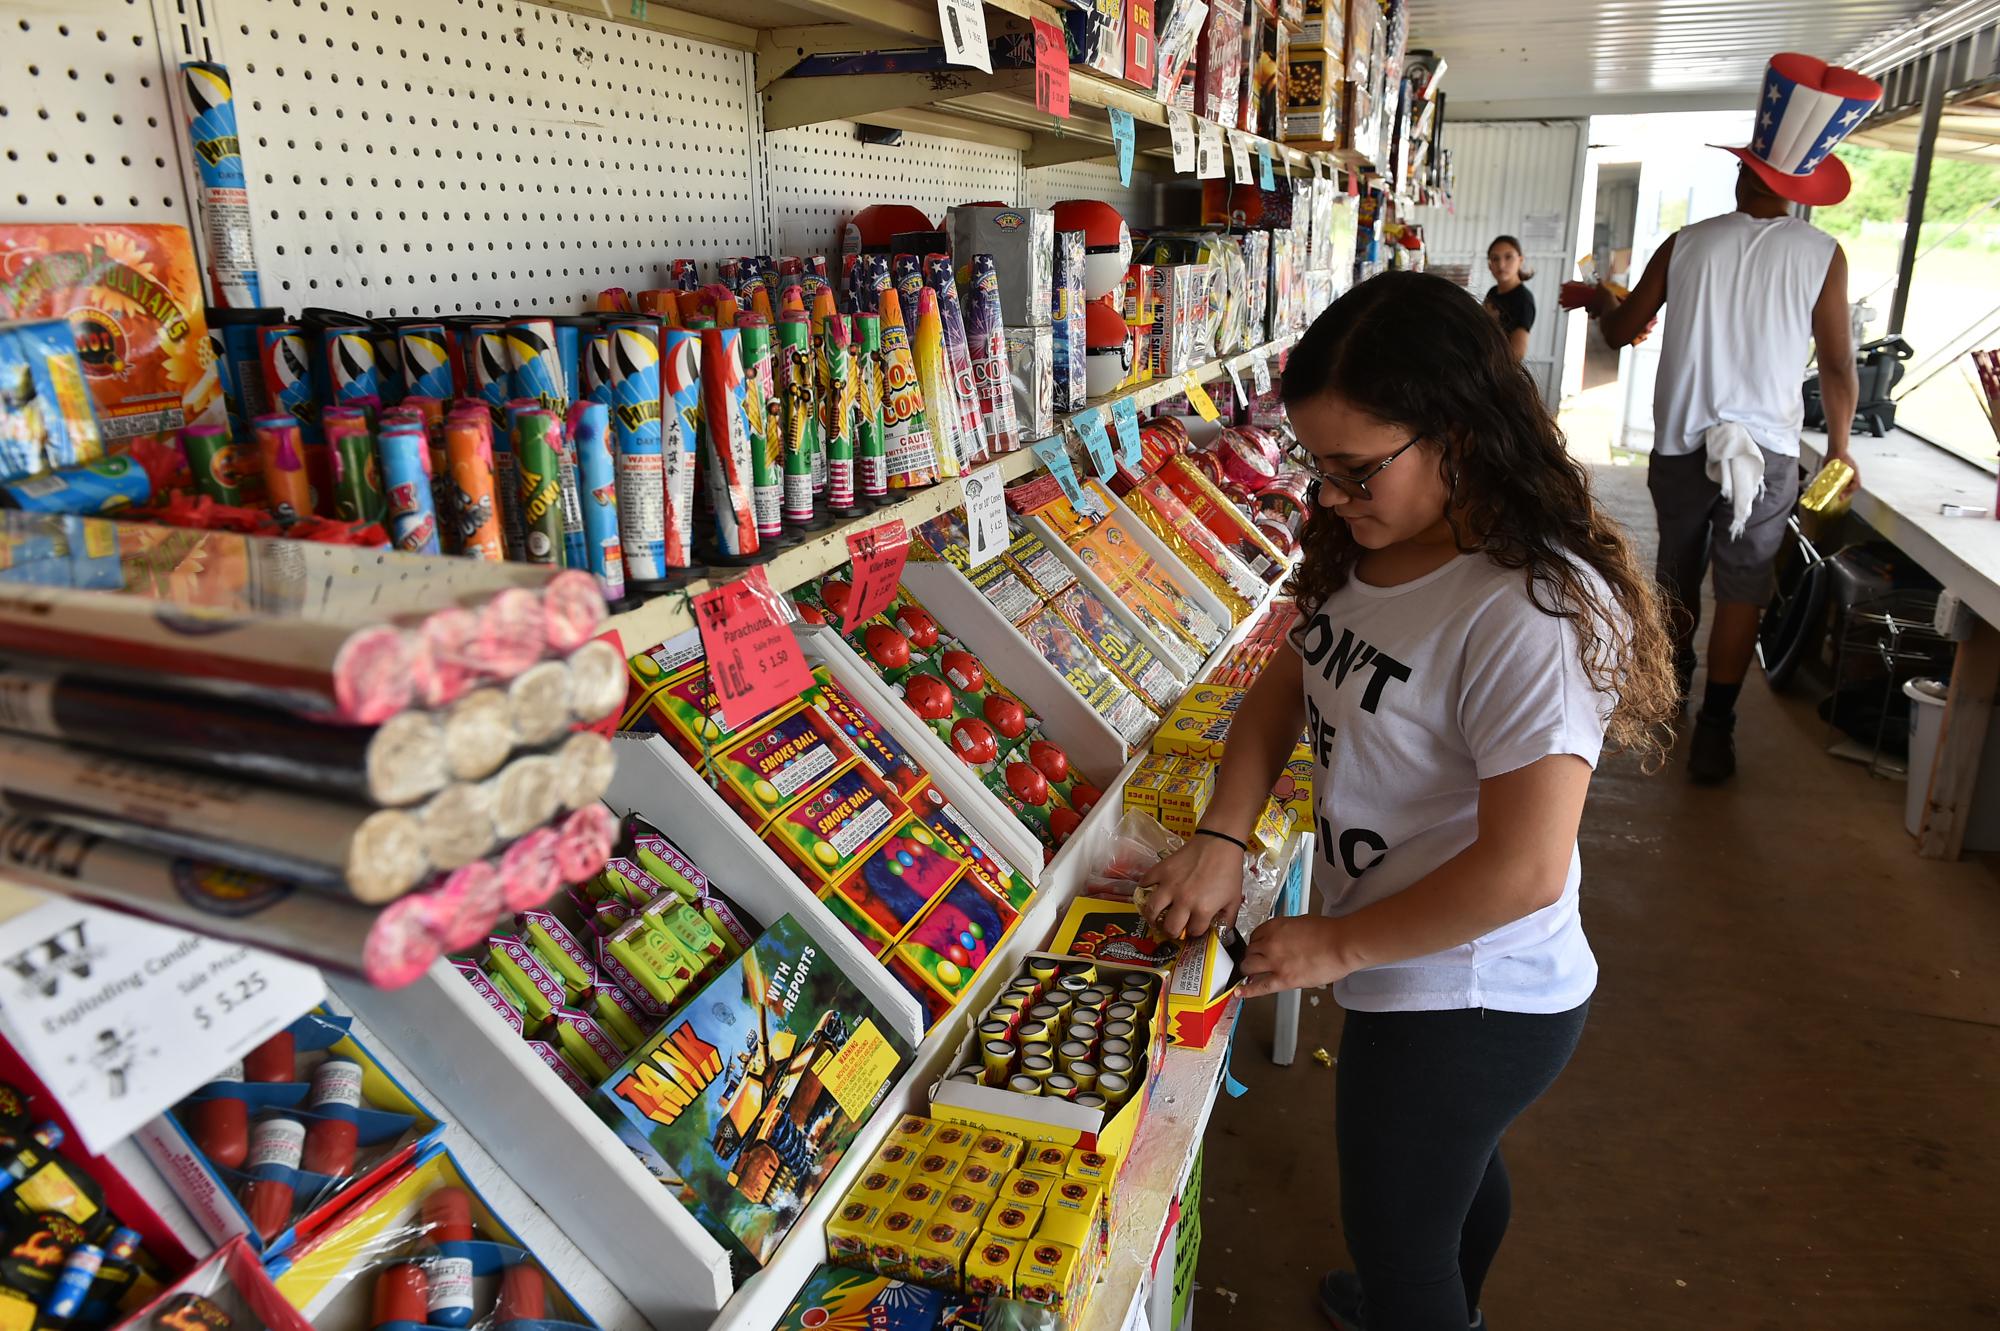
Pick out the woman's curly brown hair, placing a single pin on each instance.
(1417, 351)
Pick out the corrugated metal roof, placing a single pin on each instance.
(1583, 57)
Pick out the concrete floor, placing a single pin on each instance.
(1785, 1112)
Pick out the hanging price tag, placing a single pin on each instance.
(1208, 152)
(1260, 373)
(1124, 136)
(1353, 184)
(1235, 368)
(1051, 69)
(1197, 396)
(1089, 427)
(1125, 415)
(754, 661)
(121, 1018)
(1181, 125)
(964, 25)
(1264, 177)
(878, 555)
(1054, 455)
(985, 515)
(1240, 143)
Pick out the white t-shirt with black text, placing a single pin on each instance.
(1414, 694)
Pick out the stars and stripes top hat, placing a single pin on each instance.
(1807, 107)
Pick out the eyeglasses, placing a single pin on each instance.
(1352, 484)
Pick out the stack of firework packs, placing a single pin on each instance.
(590, 978)
(1084, 639)
(1220, 543)
(851, 813)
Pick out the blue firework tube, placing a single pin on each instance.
(388, 364)
(535, 368)
(680, 437)
(571, 330)
(761, 409)
(351, 374)
(907, 272)
(798, 393)
(225, 195)
(597, 476)
(287, 359)
(103, 485)
(634, 353)
(957, 351)
(507, 486)
(594, 381)
(426, 357)
(729, 465)
(538, 465)
(684, 275)
(225, 376)
(406, 473)
(489, 372)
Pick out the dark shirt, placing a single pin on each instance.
(1515, 308)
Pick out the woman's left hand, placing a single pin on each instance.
(1293, 952)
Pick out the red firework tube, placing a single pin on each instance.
(583, 842)
(513, 630)
(272, 1061)
(524, 1296)
(220, 1127)
(728, 460)
(614, 300)
(277, 1142)
(792, 303)
(573, 607)
(402, 1294)
(449, 637)
(330, 1140)
(529, 871)
(405, 941)
(470, 899)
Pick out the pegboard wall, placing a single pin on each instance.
(459, 155)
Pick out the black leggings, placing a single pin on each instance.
(1421, 1100)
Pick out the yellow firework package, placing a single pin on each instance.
(1051, 1274)
(989, 1267)
(133, 296)
(850, 1230)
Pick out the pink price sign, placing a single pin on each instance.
(879, 555)
(755, 665)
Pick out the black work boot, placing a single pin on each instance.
(1712, 749)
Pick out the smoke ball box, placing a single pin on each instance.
(755, 1090)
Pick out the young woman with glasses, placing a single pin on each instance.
(1472, 631)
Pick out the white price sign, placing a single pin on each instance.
(1181, 125)
(964, 25)
(121, 1018)
(985, 515)
(1245, 168)
(1208, 152)
(1260, 373)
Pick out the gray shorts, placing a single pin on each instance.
(1694, 528)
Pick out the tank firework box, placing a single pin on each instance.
(754, 1092)
(133, 295)
(1204, 971)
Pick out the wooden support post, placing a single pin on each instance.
(1968, 712)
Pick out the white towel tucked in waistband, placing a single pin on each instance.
(1737, 465)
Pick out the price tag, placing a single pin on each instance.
(754, 661)
(1208, 152)
(1264, 178)
(963, 23)
(1124, 136)
(985, 515)
(1240, 142)
(1089, 427)
(1125, 415)
(1260, 373)
(1235, 368)
(1181, 125)
(1054, 455)
(1051, 69)
(1197, 396)
(122, 1018)
(878, 556)
(1353, 184)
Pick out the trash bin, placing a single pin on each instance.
(1926, 724)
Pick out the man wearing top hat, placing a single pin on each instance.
(1744, 293)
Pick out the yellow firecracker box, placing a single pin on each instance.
(1183, 800)
(938, 1168)
(1047, 1158)
(920, 1195)
(966, 1207)
(1072, 1229)
(1142, 791)
(997, 1149)
(1013, 1220)
(980, 1177)
(1204, 972)
(878, 1187)
(913, 1131)
(953, 1137)
(1192, 735)
(892, 1244)
(1093, 1166)
(1212, 699)
(1024, 1189)
(989, 1267)
(1053, 1275)
(850, 1230)
(939, 1257)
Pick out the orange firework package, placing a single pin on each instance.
(133, 295)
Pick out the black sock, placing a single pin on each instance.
(1719, 700)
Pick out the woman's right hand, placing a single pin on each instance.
(1195, 888)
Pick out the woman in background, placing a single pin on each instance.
(1510, 301)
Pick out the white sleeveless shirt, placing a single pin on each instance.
(1736, 330)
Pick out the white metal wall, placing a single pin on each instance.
(818, 175)
(1050, 185)
(1508, 171)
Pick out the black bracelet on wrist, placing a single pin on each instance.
(1237, 842)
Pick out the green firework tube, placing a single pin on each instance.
(837, 417)
(357, 478)
(538, 464)
(798, 390)
(767, 444)
(871, 462)
(219, 466)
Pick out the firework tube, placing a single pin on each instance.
(513, 630)
(837, 418)
(680, 438)
(330, 1138)
(584, 840)
(634, 366)
(763, 415)
(491, 378)
(823, 309)
(352, 376)
(934, 378)
(958, 355)
(277, 1143)
(371, 855)
(572, 610)
(590, 436)
(797, 392)
(287, 360)
(447, 1249)
(429, 412)
(225, 197)
(728, 462)
(523, 1297)
(870, 459)
(907, 276)
(401, 1297)
(684, 275)
(585, 765)
(535, 365)
(614, 300)
(594, 380)
(597, 680)
(574, 552)
(217, 464)
(406, 475)
(538, 702)
(537, 463)
(468, 450)
(456, 825)
(476, 733)
(357, 481)
(426, 358)
(397, 763)
(991, 375)
(281, 459)
(236, 337)
(912, 458)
